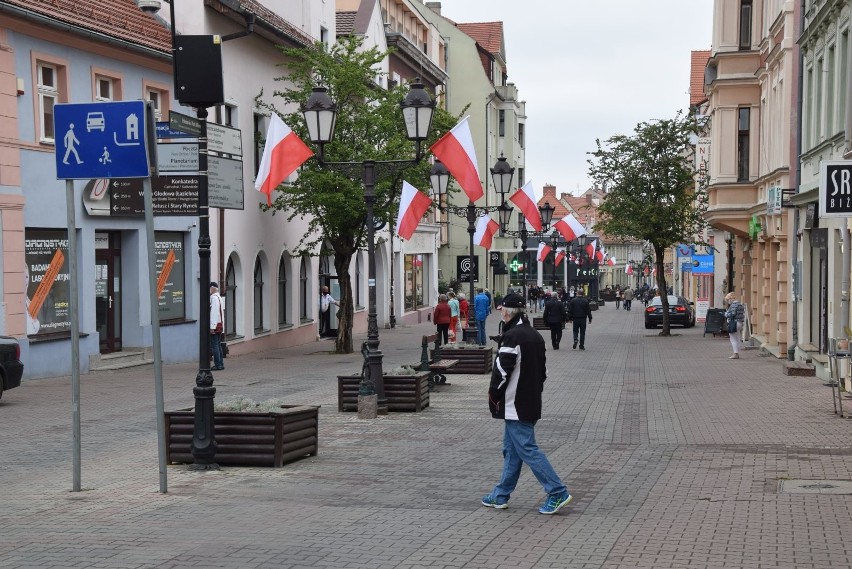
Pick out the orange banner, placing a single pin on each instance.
(165, 271)
(46, 283)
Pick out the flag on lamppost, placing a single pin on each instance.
(457, 152)
(282, 154)
(412, 206)
(543, 251)
(485, 230)
(560, 254)
(524, 198)
(570, 228)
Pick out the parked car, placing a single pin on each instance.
(681, 311)
(11, 368)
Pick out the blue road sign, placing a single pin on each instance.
(101, 140)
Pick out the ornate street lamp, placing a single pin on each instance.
(554, 243)
(320, 114)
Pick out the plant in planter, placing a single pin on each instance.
(249, 433)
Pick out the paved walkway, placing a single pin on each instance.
(675, 455)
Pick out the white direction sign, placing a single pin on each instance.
(224, 139)
(101, 140)
(225, 183)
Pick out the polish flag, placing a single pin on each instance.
(628, 269)
(560, 254)
(611, 261)
(455, 149)
(570, 228)
(543, 251)
(590, 248)
(524, 198)
(412, 206)
(485, 230)
(283, 153)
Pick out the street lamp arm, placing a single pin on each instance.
(354, 170)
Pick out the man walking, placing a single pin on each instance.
(578, 311)
(481, 310)
(628, 298)
(554, 317)
(517, 381)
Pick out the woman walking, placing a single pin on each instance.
(735, 312)
(441, 318)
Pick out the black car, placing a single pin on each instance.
(681, 312)
(11, 368)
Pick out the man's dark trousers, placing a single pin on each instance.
(555, 334)
(580, 329)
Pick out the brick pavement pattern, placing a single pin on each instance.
(674, 455)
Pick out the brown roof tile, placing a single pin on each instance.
(487, 34)
(119, 19)
(696, 77)
(345, 23)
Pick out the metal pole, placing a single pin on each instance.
(70, 204)
(203, 439)
(374, 355)
(471, 229)
(153, 298)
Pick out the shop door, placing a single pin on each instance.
(108, 291)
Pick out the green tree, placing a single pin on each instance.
(369, 127)
(653, 194)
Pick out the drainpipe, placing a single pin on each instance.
(847, 251)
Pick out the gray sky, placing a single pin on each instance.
(591, 69)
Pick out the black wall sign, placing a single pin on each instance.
(465, 266)
(173, 195)
(835, 189)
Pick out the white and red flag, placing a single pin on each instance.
(591, 247)
(455, 149)
(283, 153)
(628, 269)
(524, 198)
(485, 230)
(611, 261)
(560, 254)
(569, 227)
(543, 251)
(412, 206)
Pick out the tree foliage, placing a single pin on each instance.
(369, 127)
(653, 194)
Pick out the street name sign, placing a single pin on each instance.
(101, 140)
(184, 123)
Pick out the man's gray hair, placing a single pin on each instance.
(513, 311)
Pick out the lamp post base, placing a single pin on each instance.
(368, 406)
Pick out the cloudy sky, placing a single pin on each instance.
(591, 69)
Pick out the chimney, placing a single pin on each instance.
(434, 6)
(550, 191)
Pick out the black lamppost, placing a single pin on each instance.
(320, 114)
(554, 243)
(501, 175)
(546, 213)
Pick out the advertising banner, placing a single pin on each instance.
(48, 281)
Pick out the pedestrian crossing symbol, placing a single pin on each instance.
(101, 140)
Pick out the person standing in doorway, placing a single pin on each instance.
(514, 395)
(217, 326)
(554, 317)
(326, 300)
(442, 318)
(736, 311)
(455, 310)
(481, 310)
(578, 311)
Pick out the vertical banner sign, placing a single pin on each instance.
(47, 280)
(169, 255)
(835, 188)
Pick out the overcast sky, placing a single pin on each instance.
(591, 69)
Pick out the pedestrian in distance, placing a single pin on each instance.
(618, 296)
(455, 310)
(442, 318)
(217, 326)
(554, 317)
(326, 300)
(736, 312)
(628, 298)
(578, 311)
(464, 307)
(481, 310)
(514, 395)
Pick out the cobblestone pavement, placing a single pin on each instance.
(675, 456)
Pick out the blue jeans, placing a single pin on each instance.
(480, 331)
(216, 349)
(519, 447)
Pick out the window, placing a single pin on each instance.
(413, 282)
(230, 301)
(226, 115)
(324, 37)
(807, 115)
(258, 296)
(48, 96)
(303, 290)
(103, 89)
(841, 80)
(744, 116)
(745, 24)
(829, 92)
(155, 97)
(521, 179)
(501, 123)
(819, 122)
(259, 133)
(521, 134)
(283, 292)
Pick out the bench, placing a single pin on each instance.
(437, 366)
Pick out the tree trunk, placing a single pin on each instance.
(659, 252)
(346, 311)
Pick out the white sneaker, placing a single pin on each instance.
(734, 357)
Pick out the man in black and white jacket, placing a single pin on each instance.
(514, 395)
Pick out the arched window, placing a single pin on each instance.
(303, 290)
(358, 300)
(230, 301)
(258, 296)
(283, 292)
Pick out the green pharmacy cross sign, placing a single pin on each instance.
(515, 265)
(754, 227)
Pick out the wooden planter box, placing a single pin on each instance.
(538, 323)
(403, 392)
(472, 360)
(249, 439)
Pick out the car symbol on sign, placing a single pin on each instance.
(95, 121)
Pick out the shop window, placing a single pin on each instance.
(169, 256)
(414, 282)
